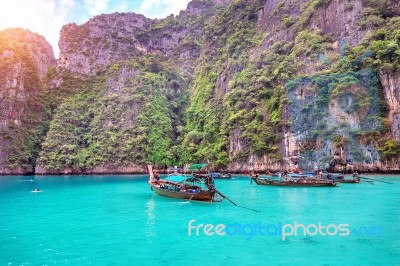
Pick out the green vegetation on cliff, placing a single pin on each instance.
(238, 95)
(228, 39)
(130, 115)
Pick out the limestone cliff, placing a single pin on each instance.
(37, 46)
(106, 39)
(329, 52)
(391, 85)
(243, 85)
(24, 58)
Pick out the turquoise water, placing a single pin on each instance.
(117, 220)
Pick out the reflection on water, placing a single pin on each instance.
(151, 221)
(293, 199)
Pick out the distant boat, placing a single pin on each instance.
(294, 183)
(325, 176)
(340, 178)
(226, 176)
(217, 175)
(198, 187)
(344, 179)
(348, 181)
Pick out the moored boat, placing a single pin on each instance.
(347, 180)
(340, 178)
(217, 175)
(200, 188)
(294, 183)
(226, 176)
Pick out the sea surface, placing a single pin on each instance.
(118, 220)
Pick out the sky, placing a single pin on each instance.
(46, 17)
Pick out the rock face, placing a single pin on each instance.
(243, 85)
(105, 39)
(343, 21)
(391, 85)
(101, 41)
(39, 49)
(24, 58)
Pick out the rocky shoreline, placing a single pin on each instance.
(143, 171)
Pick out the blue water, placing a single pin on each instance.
(117, 220)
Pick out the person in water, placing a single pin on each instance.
(37, 190)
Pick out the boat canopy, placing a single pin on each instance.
(197, 166)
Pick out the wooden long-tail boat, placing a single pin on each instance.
(294, 183)
(338, 178)
(200, 188)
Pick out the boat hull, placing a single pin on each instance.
(199, 196)
(348, 181)
(270, 182)
(223, 177)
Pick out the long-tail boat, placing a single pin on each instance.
(326, 176)
(343, 179)
(293, 183)
(340, 178)
(197, 187)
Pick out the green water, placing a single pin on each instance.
(117, 220)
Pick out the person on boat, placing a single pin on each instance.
(209, 182)
(254, 175)
(37, 190)
(301, 180)
(184, 187)
(355, 174)
(156, 176)
(320, 174)
(285, 175)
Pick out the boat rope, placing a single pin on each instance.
(191, 198)
(375, 180)
(225, 197)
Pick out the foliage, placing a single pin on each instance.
(229, 37)
(105, 125)
(390, 149)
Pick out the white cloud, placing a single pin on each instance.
(96, 7)
(162, 8)
(45, 17)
